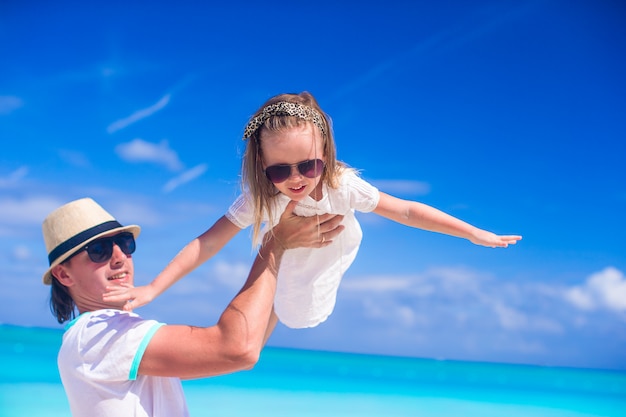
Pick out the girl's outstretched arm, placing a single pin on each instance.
(195, 253)
(423, 216)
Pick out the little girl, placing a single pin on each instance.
(290, 155)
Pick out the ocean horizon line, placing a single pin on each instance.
(58, 331)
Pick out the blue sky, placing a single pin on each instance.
(509, 115)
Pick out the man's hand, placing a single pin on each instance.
(294, 231)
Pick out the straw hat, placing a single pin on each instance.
(70, 227)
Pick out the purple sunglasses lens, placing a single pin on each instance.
(278, 173)
(310, 169)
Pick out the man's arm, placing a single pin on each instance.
(235, 342)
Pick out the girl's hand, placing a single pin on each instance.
(485, 238)
(132, 297)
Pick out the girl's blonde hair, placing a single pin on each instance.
(267, 118)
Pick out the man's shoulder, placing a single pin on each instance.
(99, 320)
(103, 329)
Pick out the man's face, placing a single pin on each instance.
(87, 280)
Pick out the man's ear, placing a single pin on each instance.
(61, 274)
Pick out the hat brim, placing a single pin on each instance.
(133, 228)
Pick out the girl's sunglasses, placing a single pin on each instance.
(279, 173)
(101, 250)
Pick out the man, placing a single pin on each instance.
(115, 363)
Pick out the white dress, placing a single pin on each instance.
(309, 278)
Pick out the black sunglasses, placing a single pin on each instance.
(310, 169)
(101, 250)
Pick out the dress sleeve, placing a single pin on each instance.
(241, 212)
(363, 196)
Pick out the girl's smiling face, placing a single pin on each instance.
(290, 147)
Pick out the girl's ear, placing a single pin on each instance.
(60, 272)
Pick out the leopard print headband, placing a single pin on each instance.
(284, 108)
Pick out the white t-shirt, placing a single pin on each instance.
(98, 362)
(308, 278)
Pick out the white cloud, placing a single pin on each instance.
(448, 280)
(458, 280)
(21, 253)
(580, 298)
(13, 178)
(139, 114)
(405, 187)
(185, 177)
(229, 274)
(31, 210)
(400, 314)
(10, 103)
(509, 318)
(603, 290)
(378, 284)
(138, 150)
(457, 296)
(134, 211)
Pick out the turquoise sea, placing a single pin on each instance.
(289, 382)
